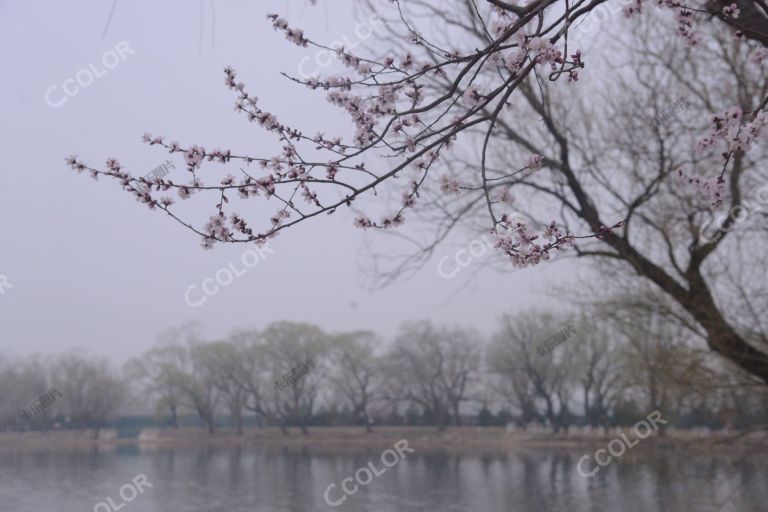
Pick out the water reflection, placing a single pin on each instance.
(239, 479)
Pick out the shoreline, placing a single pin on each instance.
(459, 439)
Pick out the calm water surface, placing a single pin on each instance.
(253, 479)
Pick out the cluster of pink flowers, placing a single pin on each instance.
(399, 118)
(731, 11)
(684, 17)
(365, 112)
(216, 229)
(712, 189)
(472, 96)
(515, 60)
(506, 196)
(759, 55)
(544, 51)
(248, 104)
(450, 185)
(535, 161)
(729, 126)
(737, 135)
(294, 35)
(634, 8)
(502, 21)
(525, 248)
(685, 24)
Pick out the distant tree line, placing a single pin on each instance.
(538, 368)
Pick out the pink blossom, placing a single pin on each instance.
(515, 60)
(402, 122)
(294, 35)
(535, 161)
(449, 185)
(194, 156)
(472, 96)
(731, 11)
(759, 55)
(712, 189)
(506, 196)
(362, 222)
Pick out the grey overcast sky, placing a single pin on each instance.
(92, 268)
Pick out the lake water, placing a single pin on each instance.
(230, 479)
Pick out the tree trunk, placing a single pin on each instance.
(456, 415)
(237, 420)
(697, 300)
(721, 336)
(174, 417)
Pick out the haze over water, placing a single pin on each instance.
(251, 479)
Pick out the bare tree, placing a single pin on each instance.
(413, 106)
(23, 382)
(541, 383)
(293, 360)
(433, 368)
(158, 372)
(599, 368)
(253, 376)
(623, 162)
(511, 384)
(355, 371)
(194, 377)
(91, 389)
(661, 370)
(223, 361)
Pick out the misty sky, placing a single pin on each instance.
(92, 268)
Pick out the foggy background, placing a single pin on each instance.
(92, 268)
